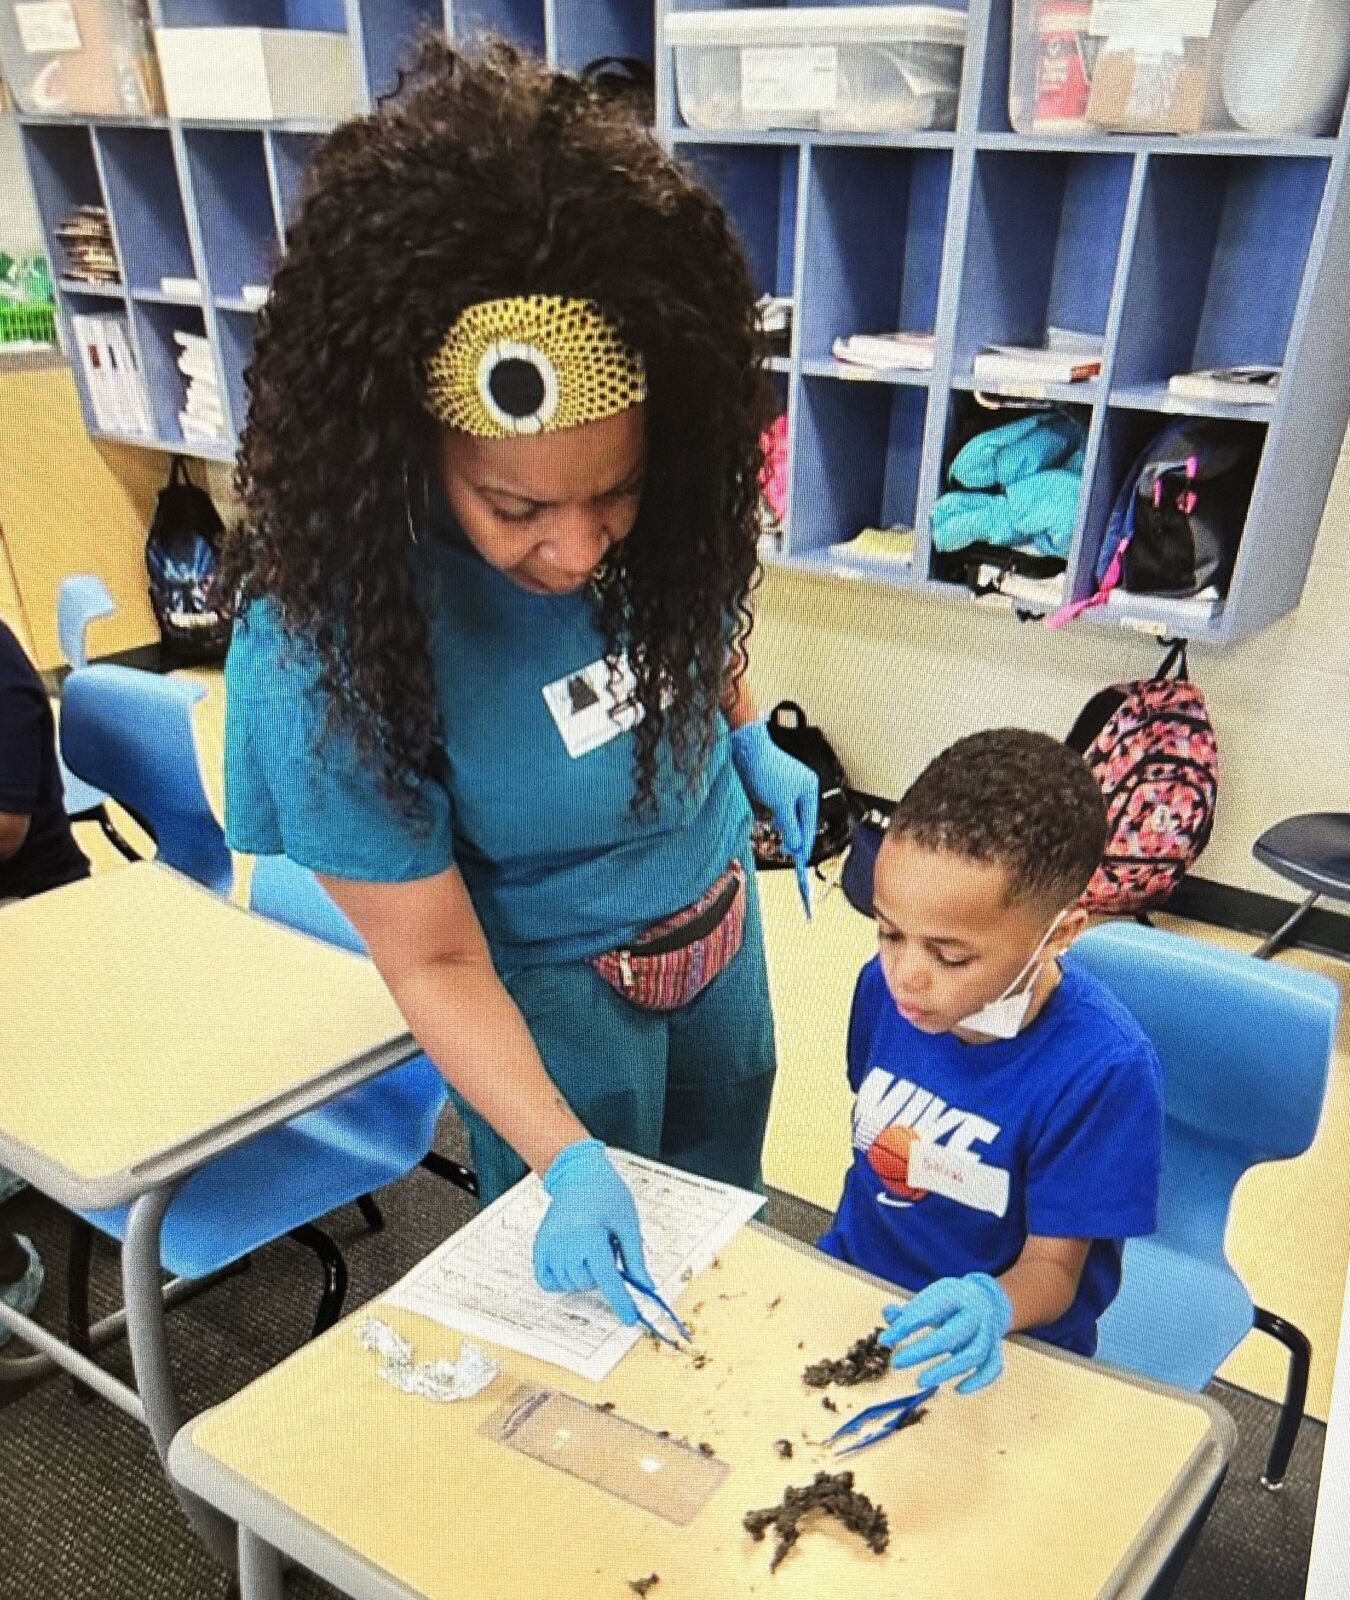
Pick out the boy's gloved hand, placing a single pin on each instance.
(968, 1316)
(782, 785)
(591, 1207)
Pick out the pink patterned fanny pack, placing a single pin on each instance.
(675, 960)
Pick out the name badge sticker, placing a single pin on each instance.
(591, 706)
(958, 1176)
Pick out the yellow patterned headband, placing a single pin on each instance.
(533, 364)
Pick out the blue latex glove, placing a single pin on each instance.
(1044, 511)
(968, 1316)
(1018, 450)
(782, 785)
(590, 1209)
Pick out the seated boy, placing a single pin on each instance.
(1008, 1123)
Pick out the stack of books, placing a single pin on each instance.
(883, 352)
(87, 243)
(1244, 386)
(112, 376)
(202, 418)
(1030, 369)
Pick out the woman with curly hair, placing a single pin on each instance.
(500, 490)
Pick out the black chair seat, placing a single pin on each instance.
(1312, 850)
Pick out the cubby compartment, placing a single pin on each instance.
(104, 359)
(1126, 434)
(1042, 248)
(777, 477)
(521, 21)
(758, 186)
(1039, 514)
(290, 155)
(586, 30)
(66, 181)
(237, 331)
(147, 209)
(164, 355)
(875, 223)
(228, 171)
(319, 16)
(855, 466)
(1217, 268)
(388, 34)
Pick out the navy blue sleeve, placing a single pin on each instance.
(22, 733)
(1095, 1169)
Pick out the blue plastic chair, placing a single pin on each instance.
(1246, 1048)
(129, 733)
(80, 601)
(414, 1093)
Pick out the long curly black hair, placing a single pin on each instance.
(487, 175)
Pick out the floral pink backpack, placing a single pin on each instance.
(1151, 747)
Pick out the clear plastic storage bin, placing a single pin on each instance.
(857, 69)
(78, 56)
(1273, 68)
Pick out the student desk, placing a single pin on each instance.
(147, 1026)
(1064, 1479)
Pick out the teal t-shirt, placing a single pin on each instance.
(535, 809)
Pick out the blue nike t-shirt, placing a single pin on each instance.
(962, 1151)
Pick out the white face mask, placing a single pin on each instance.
(1003, 1018)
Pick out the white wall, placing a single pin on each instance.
(20, 233)
(893, 680)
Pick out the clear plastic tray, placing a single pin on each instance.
(859, 69)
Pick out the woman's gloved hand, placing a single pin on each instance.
(590, 1209)
(782, 785)
(969, 1317)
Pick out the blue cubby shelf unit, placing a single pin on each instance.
(1178, 253)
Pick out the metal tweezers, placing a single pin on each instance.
(649, 1291)
(897, 1413)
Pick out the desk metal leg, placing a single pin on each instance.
(148, 1337)
(260, 1575)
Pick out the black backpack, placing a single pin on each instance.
(792, 732)
(182, 560)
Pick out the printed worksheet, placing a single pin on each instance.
(481, 1280)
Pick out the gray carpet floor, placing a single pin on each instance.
(86, 1515)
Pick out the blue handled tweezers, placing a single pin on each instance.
(650, 1292)
(895, 1412)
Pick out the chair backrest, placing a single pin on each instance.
(80, 601)
(129, 733)
(1246, 1048)
(292, 894)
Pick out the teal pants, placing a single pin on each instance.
(690, 1087)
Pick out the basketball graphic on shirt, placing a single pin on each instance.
(888, 1157)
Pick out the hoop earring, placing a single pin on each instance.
(407, 506)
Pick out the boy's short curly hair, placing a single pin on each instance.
(1017, 798)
